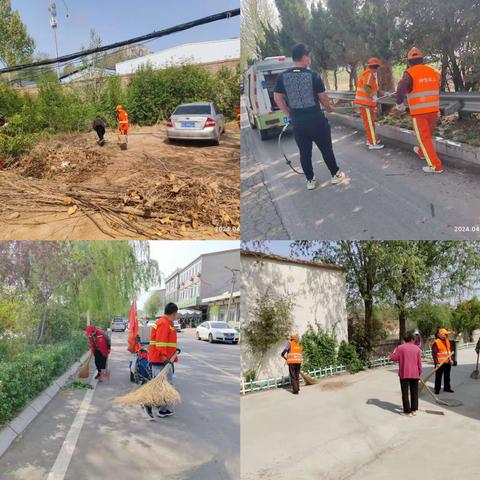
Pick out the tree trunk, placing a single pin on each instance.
(443, 83)
(326, 80)
(402, 322)
(335, 79)
(368, 324)
(386, 84)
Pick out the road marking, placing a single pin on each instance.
(64, 457)
(344, 137)
(211, 366)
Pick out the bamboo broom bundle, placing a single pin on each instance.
(158, 391)
(84, 372)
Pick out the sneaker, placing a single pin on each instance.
(338, 178)
(429, 169)
(403, 414)
(311, 184)
(97, 376)
(417, 151)
(414, 413)
(376, 146)
(148, 412)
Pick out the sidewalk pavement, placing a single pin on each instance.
(349, 427)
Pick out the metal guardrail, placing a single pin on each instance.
(278, 382)
(468, 102)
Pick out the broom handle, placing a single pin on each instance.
(169, 364)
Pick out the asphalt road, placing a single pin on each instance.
(349, 427)
(386, 196)
(201, 441)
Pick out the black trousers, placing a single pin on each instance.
(100, 131)
(314, 130)
(294, 371)
(409, 385)
(100, 361)
(444, 371)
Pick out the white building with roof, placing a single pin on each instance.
(215, 51)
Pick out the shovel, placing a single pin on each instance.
(476, 374)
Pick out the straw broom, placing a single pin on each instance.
(84, 372)
(308, 379)
(158, 391)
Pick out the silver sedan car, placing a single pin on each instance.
(196, 121)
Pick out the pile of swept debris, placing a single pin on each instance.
(154, 190)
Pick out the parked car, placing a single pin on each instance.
(217, 332)
(196, 121)
(177, 325)
(118, 325)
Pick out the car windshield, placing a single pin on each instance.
(193, 110)
(220, 325)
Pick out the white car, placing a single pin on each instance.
(217, 332)
(177, 325)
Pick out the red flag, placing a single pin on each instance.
(132, 326)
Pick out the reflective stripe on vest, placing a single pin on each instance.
(425, 94)
(295, 353)
(443, 349)
(362, 97)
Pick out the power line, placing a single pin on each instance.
(162, 33)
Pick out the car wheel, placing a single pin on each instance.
(132, 377)
(216, 142)
(198, 336)
(235, 343)
(210, 338)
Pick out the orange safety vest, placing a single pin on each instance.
(122, 117)
(362, 97)
(425, 94)
(163, 340)
(443, 350)
(295, 353)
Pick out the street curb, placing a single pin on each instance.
(454, 150)
(17, 426)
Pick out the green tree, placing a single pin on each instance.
(16, 46)
(429, 317)
(319, 348)
(466, 317)
(155, 303)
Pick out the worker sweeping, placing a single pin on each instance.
(99, 125)
(100, 346)
(420, 85)
(298, 93)
(409, 359)
(441, 353)
(163, 346)
(366, 98)
(292, 353)
(122, 117)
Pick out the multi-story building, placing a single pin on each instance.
(209, 275)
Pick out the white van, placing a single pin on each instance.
(259, 82)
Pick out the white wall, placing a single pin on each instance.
(319, 295)
(191, 53)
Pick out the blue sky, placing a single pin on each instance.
(120, 20)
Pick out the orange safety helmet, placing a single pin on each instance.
(118, 107)
(294, 338)
(374, 61)
(414, 53)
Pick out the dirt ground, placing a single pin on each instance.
(70, 188)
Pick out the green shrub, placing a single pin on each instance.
(319, 349)
(347, 355)
(25, 375)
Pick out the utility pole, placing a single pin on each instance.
(234, 272)
(53, 23)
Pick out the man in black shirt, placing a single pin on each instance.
(99, 125)
(298, 93)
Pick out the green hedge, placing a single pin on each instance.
(27, 374)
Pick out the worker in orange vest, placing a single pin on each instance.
(441, 353)
(122, 117)
(163, 344)
(292, 353)
(420, 85)
(366, 98)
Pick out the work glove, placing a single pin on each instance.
(374, 98)
(401, 107)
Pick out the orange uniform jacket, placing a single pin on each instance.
(295, 353)
(122, 116)
(163, 341)
(425, 94)
(364, 96)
